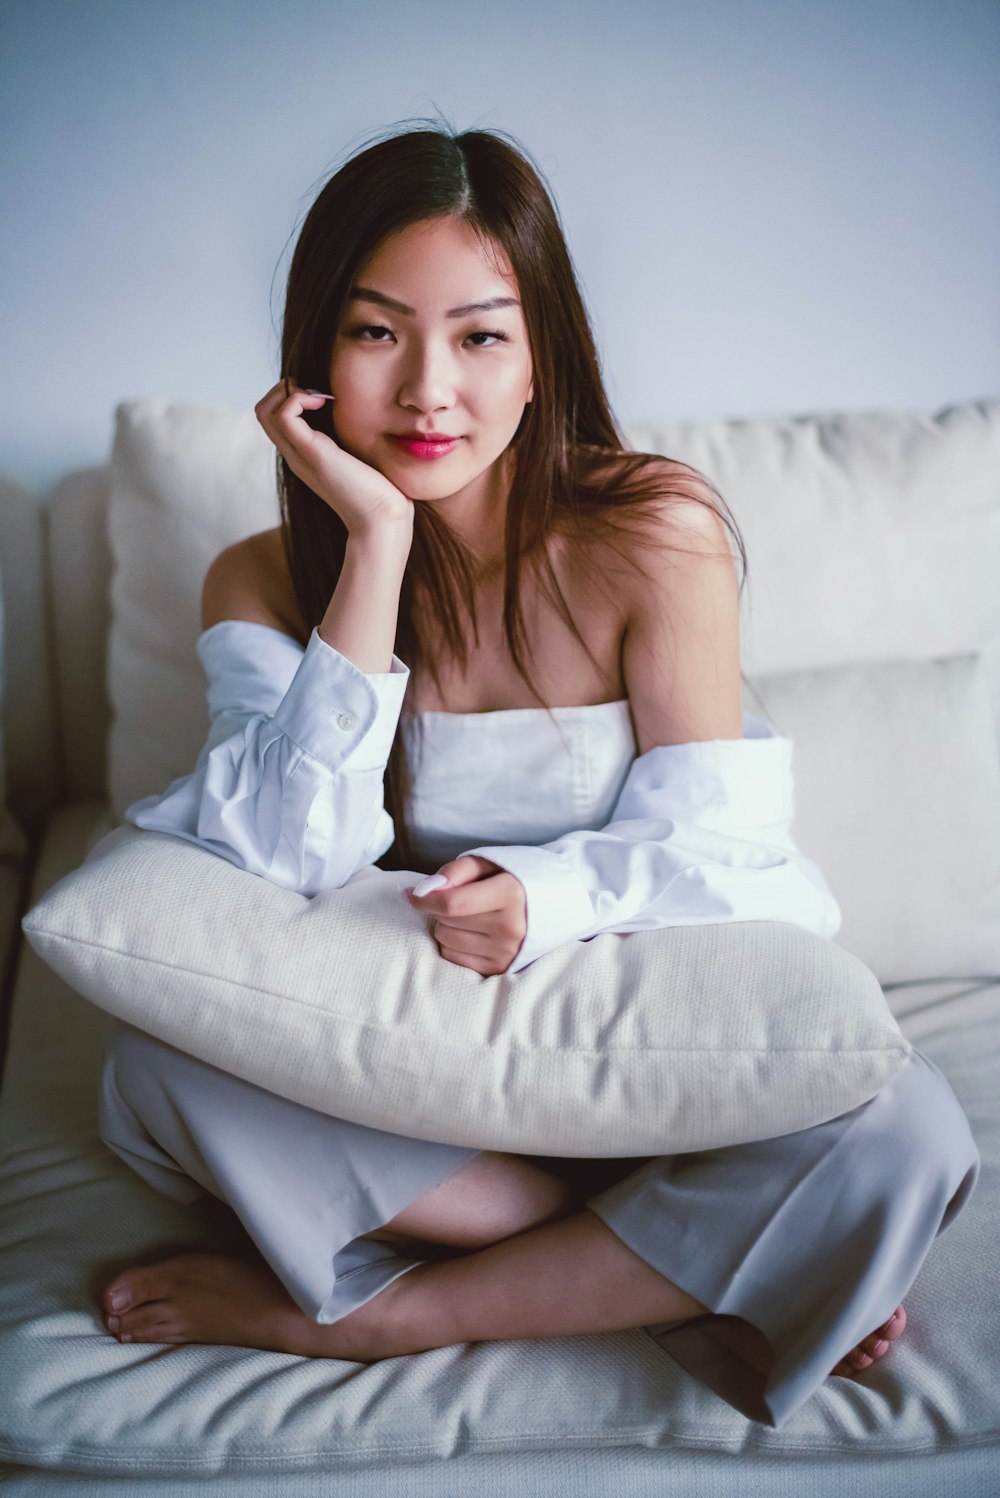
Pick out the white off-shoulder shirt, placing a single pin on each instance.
(289, 786)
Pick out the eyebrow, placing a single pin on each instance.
(367, 294)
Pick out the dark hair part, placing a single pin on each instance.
(573, 473)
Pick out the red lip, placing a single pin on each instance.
(426, 448)
(423, 436)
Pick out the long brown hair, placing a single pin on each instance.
(572, 475)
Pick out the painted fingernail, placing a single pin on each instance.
(430, 884)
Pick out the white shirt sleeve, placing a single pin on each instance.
(289, 784)
(700, 835)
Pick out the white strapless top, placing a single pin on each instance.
(289, 785)
(514, 775)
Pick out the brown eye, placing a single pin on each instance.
(361, 329)
(366, 328)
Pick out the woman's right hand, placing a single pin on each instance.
(354, 490)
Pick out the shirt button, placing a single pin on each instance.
(346, 721)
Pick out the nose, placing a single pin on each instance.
(429, 378)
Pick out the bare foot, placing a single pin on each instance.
(873, 1347)
(211, 1298)
(223, 1301)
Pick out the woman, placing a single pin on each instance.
(453, 487)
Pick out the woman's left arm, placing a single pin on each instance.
(701, 832)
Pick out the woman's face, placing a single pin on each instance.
(431, 368)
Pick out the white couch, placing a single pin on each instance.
(872, 631)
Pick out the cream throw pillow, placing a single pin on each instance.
(897, 798)
(641, 1044)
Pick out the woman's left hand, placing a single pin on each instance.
(480, 918)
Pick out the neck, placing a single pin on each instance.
(477, 515)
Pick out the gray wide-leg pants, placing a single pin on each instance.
(801, 1245)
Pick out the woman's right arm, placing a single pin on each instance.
(289, 785)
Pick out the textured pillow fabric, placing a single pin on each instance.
(648, 1043)
(897, 798)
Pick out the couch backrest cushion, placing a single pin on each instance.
(871, 535)
(873, 540)
(13, 843)
(897, 798)
(28, 729)
(80, 578)
(186, 481)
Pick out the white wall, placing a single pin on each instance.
(773, 207)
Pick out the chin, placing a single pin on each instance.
(427, 499)
(427, 486)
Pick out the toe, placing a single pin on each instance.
(132, 1323)
(154, 1323)
(877, 1343)
(131, 1289)
(853, 1362)
(895, 1326)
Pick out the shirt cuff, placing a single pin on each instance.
(336, 712)
(559, 907)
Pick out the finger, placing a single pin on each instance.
(282, 394)
(476, 929)
(296, 401)
(478, 965)
(467, 869)
(279, 392)
(498, 927)
(428, 885)
(476, 942)
(481, 898)
(310, 400)
(268, 402)
(281, 416)
(289, 424)
(268, 406)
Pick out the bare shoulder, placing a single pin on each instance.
(680, 524)
(681, 651)
(684, 506)
(250, 580)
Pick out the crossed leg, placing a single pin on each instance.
(532, 1262)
